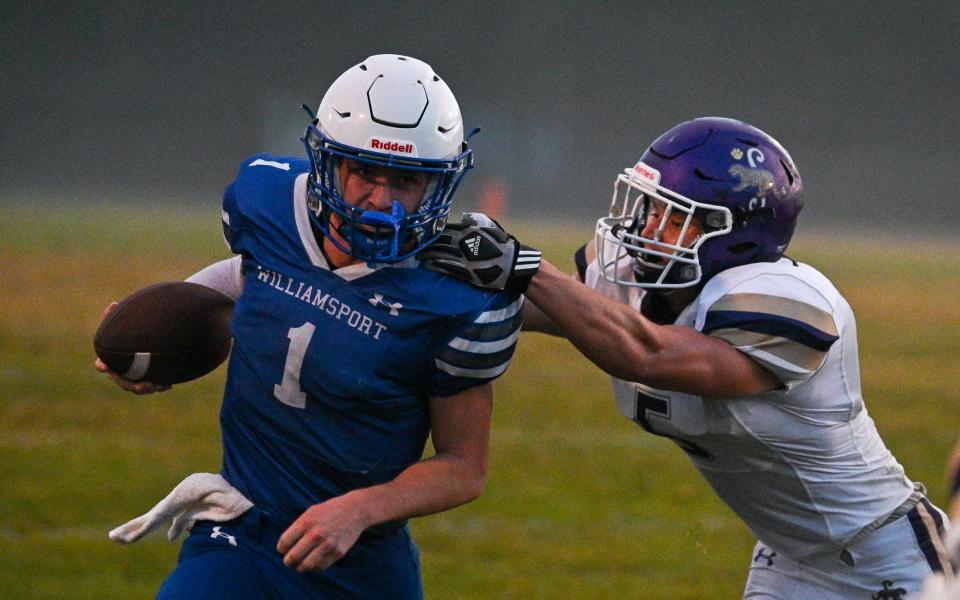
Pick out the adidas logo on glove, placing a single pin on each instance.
(473, 245)
(478, 251)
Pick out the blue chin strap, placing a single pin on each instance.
(384, 243)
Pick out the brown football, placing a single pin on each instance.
(166, 333)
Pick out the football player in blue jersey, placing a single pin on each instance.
(347, 355)
(747, 359)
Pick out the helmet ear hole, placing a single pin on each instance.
(688, 273)
(787, 170)
(716, 219)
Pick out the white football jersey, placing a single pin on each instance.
(803, 465)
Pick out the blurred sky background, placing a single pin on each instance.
(159, 102)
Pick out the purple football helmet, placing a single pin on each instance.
(733, 180)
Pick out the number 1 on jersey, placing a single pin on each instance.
(289, 391)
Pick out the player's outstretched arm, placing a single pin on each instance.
(534, 319)
(614, 336)
(456, 474)
(619, 340)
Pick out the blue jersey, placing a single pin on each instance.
(331, 370)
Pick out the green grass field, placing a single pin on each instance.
(580, 502)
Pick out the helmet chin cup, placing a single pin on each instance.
(376, 218)
(374, 236)
(391, 228)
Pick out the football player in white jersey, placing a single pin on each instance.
(744, 357)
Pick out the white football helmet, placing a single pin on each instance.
(390, 111)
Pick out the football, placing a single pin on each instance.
(166, 333)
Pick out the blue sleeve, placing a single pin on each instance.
(259, 200)
(480, 349)
(233, 221)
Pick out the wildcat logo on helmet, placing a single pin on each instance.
(392, 146)
(749, 178)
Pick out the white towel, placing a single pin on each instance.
(201, 496)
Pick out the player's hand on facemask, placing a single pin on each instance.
(478, 251)
(137, 387)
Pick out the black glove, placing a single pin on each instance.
(478, 251)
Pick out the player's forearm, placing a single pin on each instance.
(536, 320)
(426, 487)
(625, 344)
(456, 474)
(613, 336)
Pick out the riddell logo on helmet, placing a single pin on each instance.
(646, 172)
(391, 146)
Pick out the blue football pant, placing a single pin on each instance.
(238, 559)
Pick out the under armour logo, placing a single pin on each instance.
(473, 245)
(218, 534)
(378, 300)
(889, 594)
(767, 557)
